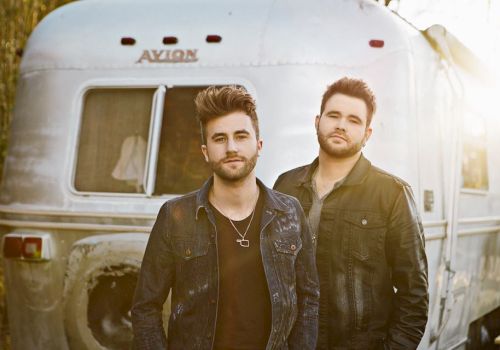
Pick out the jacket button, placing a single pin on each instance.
(293, 247)
(212, 301)
(209, 335)
(188, 252)
(364, 222)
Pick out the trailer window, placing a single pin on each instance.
(181, 166)
(475, 160)
(114, 136)
(113, 140)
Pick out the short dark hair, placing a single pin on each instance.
(218, 101)
(354, 88)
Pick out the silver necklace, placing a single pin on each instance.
(245, 243)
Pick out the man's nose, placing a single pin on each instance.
(341, 124)
(231, 146)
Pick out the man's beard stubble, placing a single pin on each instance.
(337, 152)
(234, 175)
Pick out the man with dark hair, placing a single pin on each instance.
(237, 255)
(371, 260)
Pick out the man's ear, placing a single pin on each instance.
(259, 146)
(316, 122)
(368, 133)
(205, 152)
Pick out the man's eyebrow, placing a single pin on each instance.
(217, 134)
(333, 112)
(349, 116)
(354, 116)
(240, 131)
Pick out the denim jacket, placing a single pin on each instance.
(181, 255)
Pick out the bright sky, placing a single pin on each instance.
(474, 22)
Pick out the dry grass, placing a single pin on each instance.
(17, 20)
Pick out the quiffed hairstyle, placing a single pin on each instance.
(354, 88)
(218, 101)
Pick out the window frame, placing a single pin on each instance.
(468, 190)
(157, 107)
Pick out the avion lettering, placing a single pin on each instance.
(168, 56)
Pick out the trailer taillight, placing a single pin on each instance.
(32, 248)
(12, 246)
(27, 246)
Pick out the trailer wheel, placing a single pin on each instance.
(99, 287)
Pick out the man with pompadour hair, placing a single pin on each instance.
(237, 256)
(371, 260)
(216, 101)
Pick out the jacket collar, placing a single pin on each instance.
(356, 176)
(271, 201)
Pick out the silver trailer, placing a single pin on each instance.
(104, 132)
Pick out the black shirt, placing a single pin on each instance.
(244, 307)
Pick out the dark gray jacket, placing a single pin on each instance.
(181, 256)
(370, 257)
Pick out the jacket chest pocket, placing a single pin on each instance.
(189, 253)
(288, 245)
(193, 269)
(365, 234)
(286, 251)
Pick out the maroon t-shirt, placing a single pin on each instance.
(244, 307)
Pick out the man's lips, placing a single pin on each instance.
(338, 136)
(232, 160)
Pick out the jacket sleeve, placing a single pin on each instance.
(406, 255)
(304, 333)
(153, 285)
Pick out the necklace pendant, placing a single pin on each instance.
(243, 242)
